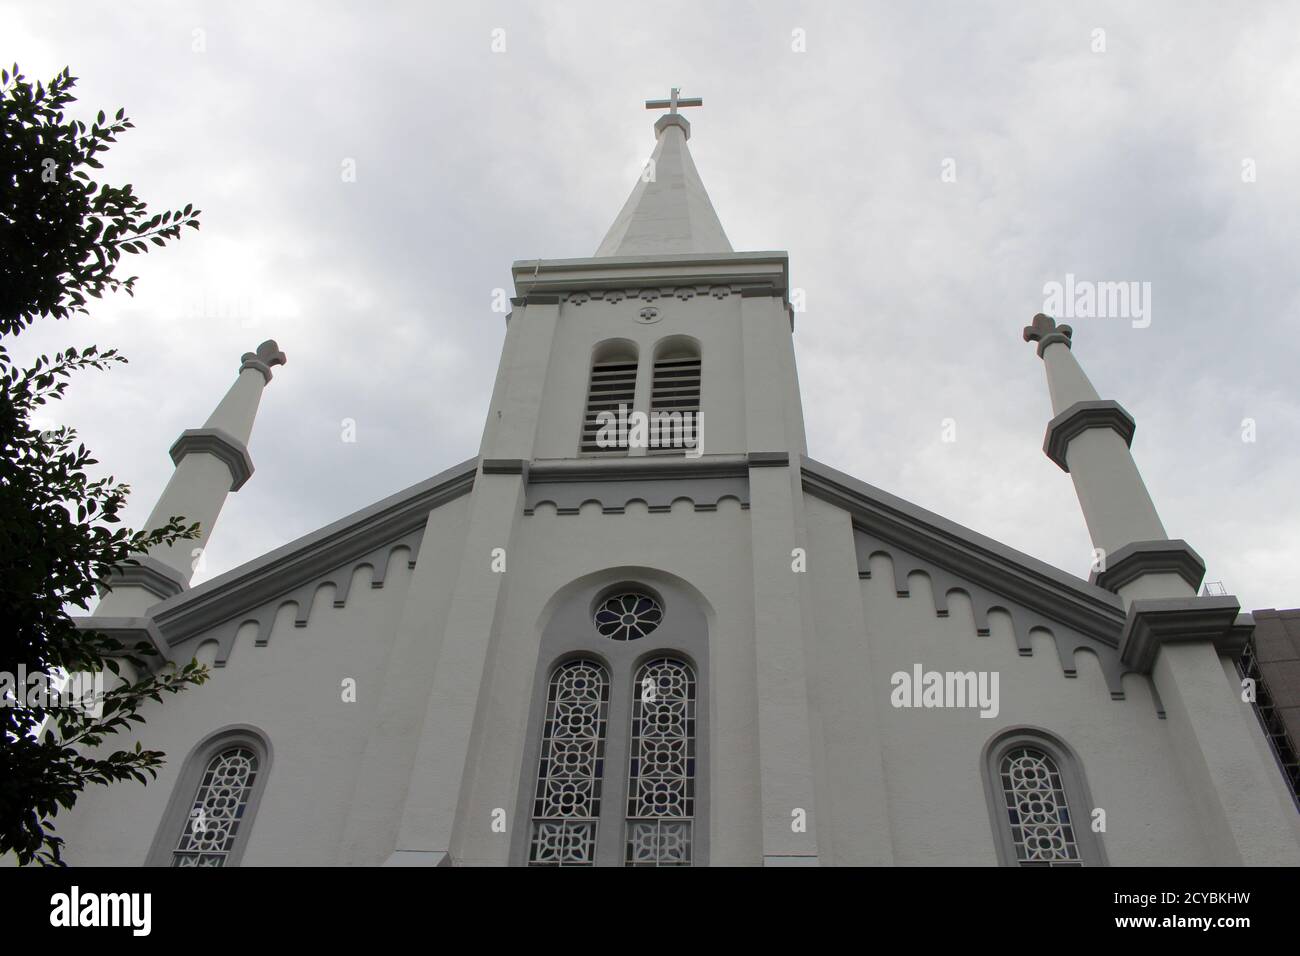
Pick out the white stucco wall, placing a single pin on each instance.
(900, 786)
(709, 550)
(930, 761)
(291, 689)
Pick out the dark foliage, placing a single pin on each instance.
(61, 238)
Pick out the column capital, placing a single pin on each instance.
(1078, 418)
(147, 572)
(1150, 557)
(1044, 330)
(267, 356)
(220, 444)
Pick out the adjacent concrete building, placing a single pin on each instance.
(1272, 660)
(641, 626)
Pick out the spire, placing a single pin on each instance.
(669, 212)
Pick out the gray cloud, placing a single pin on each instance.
(1117, 165)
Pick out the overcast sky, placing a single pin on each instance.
(1131, 163)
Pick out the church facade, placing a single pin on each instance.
(643, 627)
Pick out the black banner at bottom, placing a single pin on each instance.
(334, 905)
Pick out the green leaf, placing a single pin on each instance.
(61, 526)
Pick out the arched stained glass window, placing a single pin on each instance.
(566, 805)
(1038, 810)
(661, 773)
(219, 806)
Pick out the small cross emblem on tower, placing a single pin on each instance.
(673, 102)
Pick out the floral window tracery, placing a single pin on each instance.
(566, 805)
(661, 773)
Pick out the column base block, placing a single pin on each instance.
(220, 444)
(1078, 418)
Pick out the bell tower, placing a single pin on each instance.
(665, 317)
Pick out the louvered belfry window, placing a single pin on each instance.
(675, 404)
(613, 384)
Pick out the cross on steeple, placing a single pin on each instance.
(673, 102)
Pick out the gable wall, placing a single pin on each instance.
(930, 759)
(900, 786)
(290, 689)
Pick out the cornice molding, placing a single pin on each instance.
(1155, 622)
(656, 481)
(653, 293)
(1140, 558)
(983, 602)
(129, 631)
(1046, 590)
(220, 444)
(634, 274)
(631, 469)
(233, 593)
(149, 573)
(1080, 417)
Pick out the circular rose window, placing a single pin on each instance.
(625, 617)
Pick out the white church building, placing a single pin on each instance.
(583, 646)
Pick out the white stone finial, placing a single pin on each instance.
(267, 356)
(1045, 331)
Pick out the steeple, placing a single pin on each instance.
(669, 212)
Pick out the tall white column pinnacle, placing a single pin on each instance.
(1090, 438)
(211, 462)
(236, 412)
(1185, 643)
